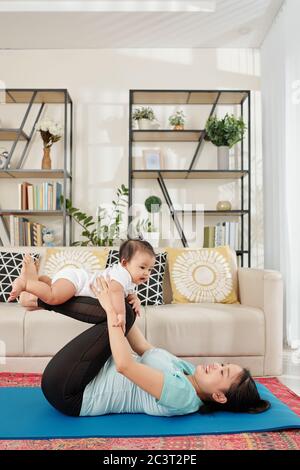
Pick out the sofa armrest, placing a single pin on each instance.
(264, 289)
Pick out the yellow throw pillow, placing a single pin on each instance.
(203, 275)
(89, 258)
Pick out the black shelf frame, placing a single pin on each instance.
(40, 96)
(193, 97)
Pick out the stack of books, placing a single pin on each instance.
(25, 233)
(226, 233)
(43, 197)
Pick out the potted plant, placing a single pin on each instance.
(177, 120)
(150, 232)
(224, 133)
(144, 116)
(105, 231)
(50, 132)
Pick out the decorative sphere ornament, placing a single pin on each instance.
(224, 206)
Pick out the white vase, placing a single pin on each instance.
(223, 158)
(152, 238)
(145, 124)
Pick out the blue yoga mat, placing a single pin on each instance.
(25, 414)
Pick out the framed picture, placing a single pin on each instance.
(152, 159)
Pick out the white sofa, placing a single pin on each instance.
(249, 333)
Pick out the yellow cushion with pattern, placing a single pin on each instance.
(203, 275)
(89, 258)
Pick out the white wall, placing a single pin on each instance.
(99, 81)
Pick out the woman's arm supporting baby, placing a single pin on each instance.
(149, 379)
(118, 302)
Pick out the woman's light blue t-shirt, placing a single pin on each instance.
(112, 392)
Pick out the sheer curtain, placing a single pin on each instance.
(280, 60)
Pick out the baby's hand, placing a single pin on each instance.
(136, 303)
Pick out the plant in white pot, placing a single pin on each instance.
(224, 133)
(144, 116)
(146, 226)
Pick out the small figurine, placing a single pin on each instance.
(48, 237)
(3, 157)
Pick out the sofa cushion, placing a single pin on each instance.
(203, 275)
(90, 259)
(207, 329)
(46, 332)
(10, 269)
(11, 329)
(150, 292)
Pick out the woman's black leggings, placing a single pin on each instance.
(76, 364)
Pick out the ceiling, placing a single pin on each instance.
(234, 24)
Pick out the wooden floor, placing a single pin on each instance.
(291, 370)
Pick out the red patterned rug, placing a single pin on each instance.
(281, 440)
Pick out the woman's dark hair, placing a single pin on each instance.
(242, 397)
(129, 247)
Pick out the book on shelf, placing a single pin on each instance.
(44, 196)
(225, 233)
(25, 233)
(4, 233)
(30, 197)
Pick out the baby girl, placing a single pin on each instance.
(136, 260)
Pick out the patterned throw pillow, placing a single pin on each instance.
(150, 292)
(10, 269)
(203, 275)
(90, 259)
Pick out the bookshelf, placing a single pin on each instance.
(241, 101)
(34, 102)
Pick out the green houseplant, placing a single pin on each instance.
(224, 133)
(150, 232)
(105, 230)
(144, 117)
(144, 225)
(177, 120)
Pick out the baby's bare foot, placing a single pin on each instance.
(29, 269)
(29, 301)
(18, 286)
(28, 272)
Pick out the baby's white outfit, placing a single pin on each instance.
(82, 279)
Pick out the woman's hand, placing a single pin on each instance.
(101, 290)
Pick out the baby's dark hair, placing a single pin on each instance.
(242, 397)
(131, 246)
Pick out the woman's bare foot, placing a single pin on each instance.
(28, 272)
(29, 301)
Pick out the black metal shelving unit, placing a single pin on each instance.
(40, 97)
(214, 98)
